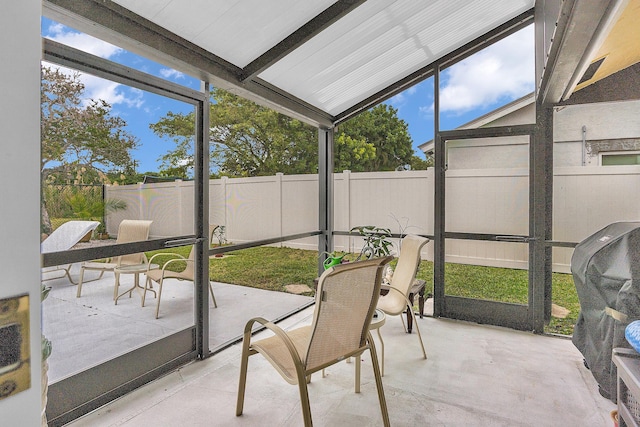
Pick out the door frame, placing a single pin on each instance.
(530, 316)
(85, 391)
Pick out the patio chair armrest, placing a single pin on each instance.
(406, 298)
(105, 260)
(278, 331)
(178, 257)
(166, 254)
(174, 261)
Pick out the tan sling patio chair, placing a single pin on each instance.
(129, 230)
(346, 299)
(396, 301)
(158, 276)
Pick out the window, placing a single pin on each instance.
(620, 158)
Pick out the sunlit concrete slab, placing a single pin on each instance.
(91, 329)
(475, 375)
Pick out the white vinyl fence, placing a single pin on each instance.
(478, 201)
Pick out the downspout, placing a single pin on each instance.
(584, 145)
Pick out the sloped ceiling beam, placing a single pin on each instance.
(299, 37)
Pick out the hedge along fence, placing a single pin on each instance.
(60, 200)
(480, 201)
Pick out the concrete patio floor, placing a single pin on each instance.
(88, 330)
(475, 375)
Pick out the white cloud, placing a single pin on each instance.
(169, 73)
(114, 93)
(403, 97)
(96, 87)
(398, 100)
(504, 70)
(81, 41)
(426, 111)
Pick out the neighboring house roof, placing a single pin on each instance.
(490, 117)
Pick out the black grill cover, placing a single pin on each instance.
(606, 273)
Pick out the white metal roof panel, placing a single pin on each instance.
(238, 31)
(331, 58)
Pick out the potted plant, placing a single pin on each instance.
(377, 241)
(219, 232)
(101, 231)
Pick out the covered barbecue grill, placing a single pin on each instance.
(606, 273)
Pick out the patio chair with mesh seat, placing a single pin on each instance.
(396, 301)
(346, 299)
(186, 267)
(129, 230)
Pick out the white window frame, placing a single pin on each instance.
(616, 153)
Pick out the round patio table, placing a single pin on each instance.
(135, 269)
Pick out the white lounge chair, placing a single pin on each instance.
(64, 238)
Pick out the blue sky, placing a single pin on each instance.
(479, 84)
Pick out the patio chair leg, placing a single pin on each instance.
(67, 271)
(378, 377)
(159, 294)
(116, 287)
(144, 293)
(381, 351)
(80, 282)
(304, 401)
(244, 362)
(215, 304)
(404, 326)
(419, 336)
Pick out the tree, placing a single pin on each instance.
(250, 140)
(352, 154)
(77, 134)
(385, 132)
(81, 141)
(417, 163)
(246, 139)
(181, 128)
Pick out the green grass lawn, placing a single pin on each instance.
(274, 268)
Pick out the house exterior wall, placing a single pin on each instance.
(523, 116)
(609, 127)
(20, 173)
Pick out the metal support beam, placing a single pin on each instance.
(438, 215)
(325, 192)
(541, 213)
(201, 220)
(306, 32)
